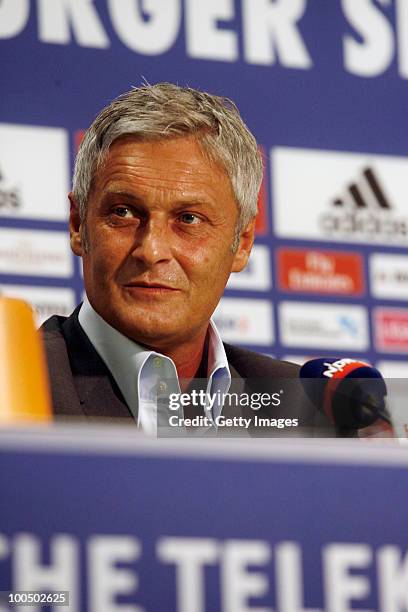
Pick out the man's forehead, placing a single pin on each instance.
(166, 146)
(171, 162)
(157, 173)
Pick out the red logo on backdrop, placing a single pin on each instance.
(78, 136)
(261, 222)
(327, 272)
(391, 329)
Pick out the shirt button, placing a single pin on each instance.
(162, 386)
(157, 362)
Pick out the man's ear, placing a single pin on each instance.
(246, 240)
(75, 226)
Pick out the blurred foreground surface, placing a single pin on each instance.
(117, 519)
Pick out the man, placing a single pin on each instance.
(162, 211)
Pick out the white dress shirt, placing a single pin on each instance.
(139, 372)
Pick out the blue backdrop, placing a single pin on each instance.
(323, 86)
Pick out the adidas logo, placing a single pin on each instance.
(364, 211)
(361, 199)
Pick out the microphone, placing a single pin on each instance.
(349, 392)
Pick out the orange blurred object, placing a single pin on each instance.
(24, 387)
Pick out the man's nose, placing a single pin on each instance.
(152, 243)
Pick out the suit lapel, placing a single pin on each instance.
(98, 392)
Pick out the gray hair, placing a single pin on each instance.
(165, 110)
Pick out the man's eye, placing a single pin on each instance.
(122, 211)
(189, 218)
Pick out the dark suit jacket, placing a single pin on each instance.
(83, 386)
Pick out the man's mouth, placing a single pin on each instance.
(151, 286)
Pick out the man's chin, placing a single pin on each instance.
(156, 327)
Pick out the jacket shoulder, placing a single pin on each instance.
(64, 395)
(53, 326)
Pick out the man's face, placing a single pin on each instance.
(160, 223)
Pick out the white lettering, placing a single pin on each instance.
(189, 555)
(210, 400)
(57, 17)
(341, 586)
(59, 575)
(270, 29)
(271, 26)
(13, 17)
(374, 54)
(320, 263)
(339, 365)
(204, 40)
(289, 578)
(402, 30)
(150, 37)
(239, 584)
(392, 579)
(105, 580)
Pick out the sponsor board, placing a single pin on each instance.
(257, 274)
(313, 271)
(245, 321)
(46, 301)
(391, 329)
(336, 196)
(389, 276)
(324, 325)
(34, 172)
(35, 253)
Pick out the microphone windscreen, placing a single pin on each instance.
(350, 392)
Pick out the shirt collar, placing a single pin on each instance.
(217, 357)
